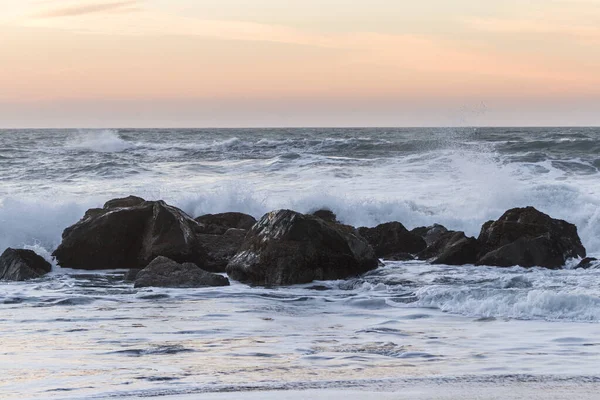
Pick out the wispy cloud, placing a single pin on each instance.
(89, 8)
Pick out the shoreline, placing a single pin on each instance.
(507, 388)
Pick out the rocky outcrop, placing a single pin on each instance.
(221, 248)
(392, 239)
(218, 224)
(528, 237)
(430, 233)
(286, 247)
(452, 248)
(164, 272)
(21, 265)
(127, 233)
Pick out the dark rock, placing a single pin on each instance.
(392, 238)
(123, 236)
(218, 224)
(221, 248)
(131, 274)
(528, 237)
(443, 249)
(430, 233)
(325, 215)
(21, 265)
(286, 247)
(129, 201)
(164, 272)
(460, 251)
(587, 263)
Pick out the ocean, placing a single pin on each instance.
(407, 327)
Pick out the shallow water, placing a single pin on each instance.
(74, 334)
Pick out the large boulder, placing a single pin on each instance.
(391, 239)
(218, 224)
(164, 272)
(221, 248)
(127, 233)
(528, 237)
(451, 248)
(286, 247)
(21, 265)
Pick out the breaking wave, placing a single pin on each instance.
(104, 141)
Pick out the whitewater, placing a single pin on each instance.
(408, 327)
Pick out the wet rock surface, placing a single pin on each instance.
(444, 245)
(430, 233)
(21, 265)
(528, 237)
(218, 224)
(286, 247)
(392, 239)
(221, 248)
(588, 262)
(164, 272)
(325, 215)
(129, 234)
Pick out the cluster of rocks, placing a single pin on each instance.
(162, 246)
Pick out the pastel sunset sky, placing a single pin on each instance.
(233, 63)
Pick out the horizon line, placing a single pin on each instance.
(305, 127)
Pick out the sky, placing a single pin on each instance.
(271, 63)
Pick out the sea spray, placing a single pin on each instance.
(103, 141)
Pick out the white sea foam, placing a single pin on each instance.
(103, 141)
(533, 304)
(24, 220)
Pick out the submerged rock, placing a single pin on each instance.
(21, 265)
(127, 233)
(391, 239)
(286, 247)
(588, 262)
(221, 248)
(164, 272)
(528, 237)
(218, 224)
(452, 248)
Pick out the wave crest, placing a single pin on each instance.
(103, 141)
